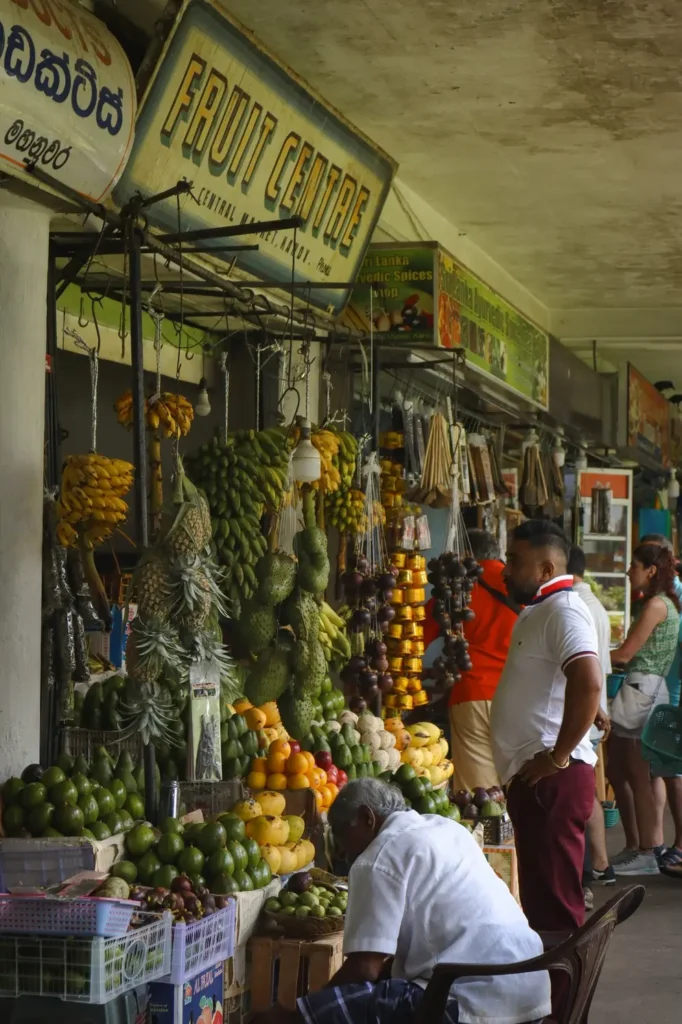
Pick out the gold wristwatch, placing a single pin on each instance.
(559, 767)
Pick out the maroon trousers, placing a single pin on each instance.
(549, 825)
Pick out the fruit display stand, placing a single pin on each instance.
(38, 863)
(284, 969)
(86, 741)
(211, 798)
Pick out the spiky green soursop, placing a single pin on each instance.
(301, 611)
(269, 677)
(309, 665)
(297, 712)
(257, 627)
(276, 573)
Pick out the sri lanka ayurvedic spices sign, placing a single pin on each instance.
(415, 293)
(258, 145)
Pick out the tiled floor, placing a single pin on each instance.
(642, 977)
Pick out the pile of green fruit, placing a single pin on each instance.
(420, 795)
(347, 750)
(303, 899)
(73, 798)
(239, 743)
(215, 855)
(241, 477)
(100, 707)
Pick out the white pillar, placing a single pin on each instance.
(24, 241)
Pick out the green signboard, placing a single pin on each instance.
(415, 294)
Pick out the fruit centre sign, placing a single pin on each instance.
(67, 95)
(258, 145)
(415, 293)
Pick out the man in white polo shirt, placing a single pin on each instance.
(542, 712)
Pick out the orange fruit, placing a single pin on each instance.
(276, 781)
(334, 790)
(259, 764)
(256, 780)
(280, 747)
(297, 764)
(319, 800)
(298, 781)
(318, 778)
(310, 758)
(326, 794)
(276, 762)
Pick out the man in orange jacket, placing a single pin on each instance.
(488, 635)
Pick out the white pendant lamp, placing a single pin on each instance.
(306, 461)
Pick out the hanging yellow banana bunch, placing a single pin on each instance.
(170, 414)
(91, 504)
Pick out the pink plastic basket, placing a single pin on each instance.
(55, 915)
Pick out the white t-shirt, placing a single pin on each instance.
(528, 706)
(424, 893)
(602, 624)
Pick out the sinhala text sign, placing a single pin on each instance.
(257, 145)
(67, 95)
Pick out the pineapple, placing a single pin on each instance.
(195, 591)
(152, 646)
(190, 531)
(153, 589)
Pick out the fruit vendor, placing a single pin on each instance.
(488, 635)
(545, 704)
(419, 891)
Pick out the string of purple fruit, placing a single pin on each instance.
(368, 595)
(452, 580)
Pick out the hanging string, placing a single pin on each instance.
(258, 373)
(226, 382)
(94, 381)
(158, 318)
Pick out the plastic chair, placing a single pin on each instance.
(579, 957)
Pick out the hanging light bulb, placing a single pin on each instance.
(202, 406)
(673, 487)
(306, 461)
(558, 451)
(581, 461)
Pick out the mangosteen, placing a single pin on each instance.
(352, 579)
(444, 621)
(381, 664)
(386, 613)
(221, 902)
(470, 812)
(468, 614)
(300, 882)
(357, 704)
(463, 798)
(385, 682)
(457, 569)
(433, 564)
(394, 570)
(181, 883)
(208, 901)
(387, 595)
(386, 581)
(191, 903)
(368, 587)
(360, 619)
(32, 773)
(362, 565)
(469, 563)
(367, 690)
(368, 677)
(480, 796)
(375, 648)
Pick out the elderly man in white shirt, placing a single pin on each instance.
(421, 891)
(546, 702)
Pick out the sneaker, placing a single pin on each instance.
(588, 896)
(605, 877)
(625, 854)
(639, 864)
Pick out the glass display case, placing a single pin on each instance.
(607, 548)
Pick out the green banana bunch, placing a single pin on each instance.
(242, 478)
(332, 635)
(344, 506)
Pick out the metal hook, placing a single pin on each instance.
(82, 322)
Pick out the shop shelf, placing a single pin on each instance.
(86, 970)
(203, 943)
(86, 741)
(47, 915)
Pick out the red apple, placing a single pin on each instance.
(332, 774)
(323, 760)
(295, 746)
(341, 778)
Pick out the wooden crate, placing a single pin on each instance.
(284, 969)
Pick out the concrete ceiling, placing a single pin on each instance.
(550, 131)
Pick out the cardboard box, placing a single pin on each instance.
(197, 1001)
(503, 861)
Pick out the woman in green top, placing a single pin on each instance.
(647, 653)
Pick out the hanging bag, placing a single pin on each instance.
(631, 707)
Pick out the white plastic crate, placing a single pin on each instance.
(86, 970)
(54, 915)
(38, 863)
(202, 943)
